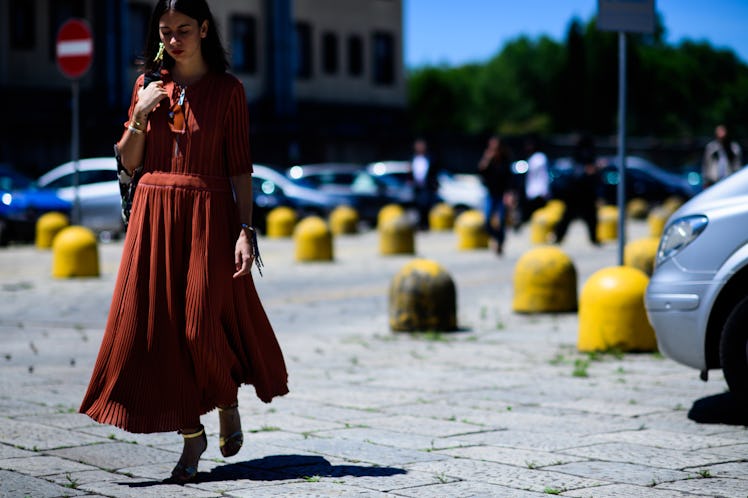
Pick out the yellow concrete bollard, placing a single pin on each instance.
(75, 253)
(470, 227)
(344, 220)
(47, 226)
(612, 314)
(281, 222)
(545, 281)
(388, 212)
(607, 223)
(313, 240)
(542, 223)
(641, 254)
(672, 204)
(441, 217)
(422, 298)
(396, 236)
(656, 222)
(637, 209)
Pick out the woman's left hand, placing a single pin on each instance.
(243, 255)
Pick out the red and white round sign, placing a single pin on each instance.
(74, 48)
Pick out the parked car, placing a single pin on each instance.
(462, 191)
(273, 188)
(644, 180)
(697, 297)
(21, 204)
(98, 193)
(351, 184)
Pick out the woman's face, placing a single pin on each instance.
(181, 35)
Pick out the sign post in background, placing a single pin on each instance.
(636, 16)
(74, 54)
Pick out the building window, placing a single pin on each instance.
(303, 51)
(61, 11)
(138, 16)
(355, 55)
(244, 44)
(330, 53)
(22, 18)
(383, 51)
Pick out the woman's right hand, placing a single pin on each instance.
(149, 98)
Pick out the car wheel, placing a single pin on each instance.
(733, 352)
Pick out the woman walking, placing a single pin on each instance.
(186, 327)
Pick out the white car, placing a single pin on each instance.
(697, 297)
(462, 191)
(98, 193)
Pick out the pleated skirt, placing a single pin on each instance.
(182, 335)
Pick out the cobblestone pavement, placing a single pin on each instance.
(506, 407)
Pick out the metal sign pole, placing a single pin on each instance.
(74, 151)
(621, 145)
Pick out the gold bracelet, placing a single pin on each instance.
(137, 131)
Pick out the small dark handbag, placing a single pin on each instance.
(127, 184)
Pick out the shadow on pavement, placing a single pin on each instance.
(280, 468)
(719, 409)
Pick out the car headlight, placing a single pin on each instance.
(679, 234)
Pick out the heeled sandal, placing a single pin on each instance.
(182, 473)
(231, 444)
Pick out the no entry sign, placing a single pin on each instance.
(74, 48)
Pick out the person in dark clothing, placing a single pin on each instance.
(425, 182)
(581, 193)
(495, 169)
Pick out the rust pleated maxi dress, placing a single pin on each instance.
(182, 335)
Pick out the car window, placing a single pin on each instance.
(61, 182)
(364, 184)
(96, 176)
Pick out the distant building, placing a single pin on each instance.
(325, 79)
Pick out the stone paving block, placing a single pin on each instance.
(394, 482)
(536, 480)
(511, 456)
(625, 490)
(625, 473)
(382, 437)
(15, 407)
(713, 487)
(626, 407)
(319, 489)
(651, 456)
(738, 470)
(463, 489)
(42, 465)
(424, 426)
(143, 488)
(79, 478)
(251, 450)
(111, 433)
(62, 420)
(115, 455)
(363, 398)
(666, 439)
(360, 451)
(18, 485)
(518, 439)
(7, 451)
(323, 411)
(41, 437)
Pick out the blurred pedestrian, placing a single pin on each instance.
(722, 157)
(186, 327)
(537, 179)
(495, 169)
(425, 181)
(581, 192)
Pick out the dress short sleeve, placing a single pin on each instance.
(238, 158)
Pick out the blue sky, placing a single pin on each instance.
(459, 31)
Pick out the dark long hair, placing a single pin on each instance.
(211, 46)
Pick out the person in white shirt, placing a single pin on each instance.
(425, 183)
(537, 180)
(722, 157)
